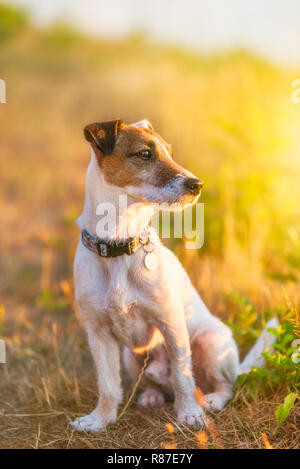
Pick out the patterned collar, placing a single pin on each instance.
(113, 248)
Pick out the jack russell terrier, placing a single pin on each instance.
(133, 291)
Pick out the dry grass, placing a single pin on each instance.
(36, 415)
(235, 119)
(40, 395)
(49, 379)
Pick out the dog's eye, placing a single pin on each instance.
(144, 154)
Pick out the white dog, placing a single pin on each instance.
(132, 291)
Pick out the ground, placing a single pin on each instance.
(49, 379)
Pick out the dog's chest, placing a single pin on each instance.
(124, 309)
(129, 326)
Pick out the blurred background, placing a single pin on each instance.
(214, 78)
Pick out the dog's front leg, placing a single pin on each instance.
(189, 412)
(106, 354)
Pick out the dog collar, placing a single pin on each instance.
(113, 248)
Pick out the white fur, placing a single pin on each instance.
(123, 303)
(143, 123)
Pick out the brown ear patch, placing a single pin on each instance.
(103, 134)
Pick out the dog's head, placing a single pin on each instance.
(136, 159)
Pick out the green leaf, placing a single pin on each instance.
(287, 338)
(283, 410)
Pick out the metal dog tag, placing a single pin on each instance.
(151, 261)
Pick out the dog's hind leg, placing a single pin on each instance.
(217, 400)
(151, 396)
(215, 364)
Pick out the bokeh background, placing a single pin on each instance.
(214, 78)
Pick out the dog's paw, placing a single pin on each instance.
(151, 398)
(191, 417)
(89, 423)
(214, 401)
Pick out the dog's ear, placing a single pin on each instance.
(103, 134)
(143, 123)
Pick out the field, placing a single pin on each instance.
(231, 121)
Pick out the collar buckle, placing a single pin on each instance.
(102, 249)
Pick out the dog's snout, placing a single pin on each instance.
(193, 185)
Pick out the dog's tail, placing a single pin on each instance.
(265, 341)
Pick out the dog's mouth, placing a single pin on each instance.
(192, 199)
(170, 197)
(174, 194)
(185, 201)
(183, 191)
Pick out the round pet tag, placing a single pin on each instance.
(151, 261)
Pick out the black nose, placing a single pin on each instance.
(193, 185)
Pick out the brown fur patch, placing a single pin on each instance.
(122, 168)
(103, 135)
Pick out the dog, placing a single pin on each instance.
(132, 291)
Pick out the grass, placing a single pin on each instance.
(48, 380)
(231, 121)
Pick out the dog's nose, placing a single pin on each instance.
(193, 185)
